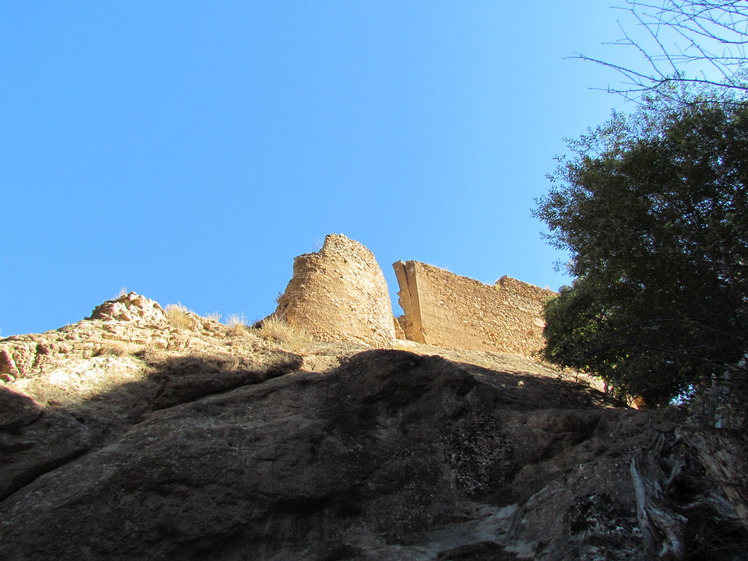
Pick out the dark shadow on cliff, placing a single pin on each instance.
(390, 455)
(209, 462)
(36, 438)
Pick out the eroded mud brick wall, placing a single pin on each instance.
(455, 312)
(339, 294)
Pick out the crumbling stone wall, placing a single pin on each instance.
(455, 312)
(339, 294)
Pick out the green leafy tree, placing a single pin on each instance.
(653, 209)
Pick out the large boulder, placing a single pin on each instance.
(391, 456)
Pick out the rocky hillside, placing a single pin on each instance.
(142, 434)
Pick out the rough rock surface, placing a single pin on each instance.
(455, 312)
(211, 444)
(390, 456)
(339, 294)
(76, 388)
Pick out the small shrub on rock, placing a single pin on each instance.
(180, 316)
(280, 332)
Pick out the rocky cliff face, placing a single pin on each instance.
(73, 390)
(124, 437)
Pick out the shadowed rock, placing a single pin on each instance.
(391, 456)
(82, 386)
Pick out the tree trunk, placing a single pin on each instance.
(663, 530)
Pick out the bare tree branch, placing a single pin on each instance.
(689, 42)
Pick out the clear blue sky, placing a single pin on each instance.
(189, 150)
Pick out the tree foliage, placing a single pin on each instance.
(653, 209)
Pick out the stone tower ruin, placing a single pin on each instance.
(339, 294)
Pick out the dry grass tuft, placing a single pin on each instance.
(111, 349)
(237, 319)
(180, 316)
(280, 332)
(214, 316)
(237, 324)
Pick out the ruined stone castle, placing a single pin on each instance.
(340, 294)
